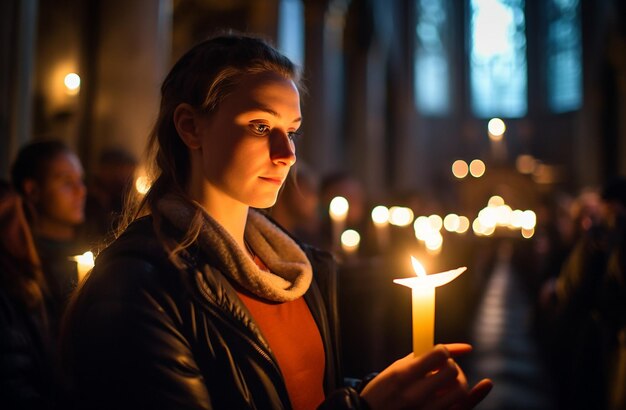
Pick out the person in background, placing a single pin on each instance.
(587, 309)
(203, 302)
(113, 178)
(26, 346)
(49, 177)
(612, 307)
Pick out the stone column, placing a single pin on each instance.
(366, 95)
(322, 105)
(132, 59)
(18, 22)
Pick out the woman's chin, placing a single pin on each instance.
(262, 203)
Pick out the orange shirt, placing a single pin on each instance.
(296, 343)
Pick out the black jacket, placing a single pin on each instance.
(27, 374)
(143, 333)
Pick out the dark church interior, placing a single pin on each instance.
(489, 134)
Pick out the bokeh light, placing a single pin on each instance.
(338, 207)
(496, 128)
(380, 215)
(452, 222)
(477, 168)
(72, 83)
(460, 168)
(400, 216)
(350, 240)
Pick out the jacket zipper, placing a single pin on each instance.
(246, 337)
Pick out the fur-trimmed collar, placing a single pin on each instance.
(290, 271)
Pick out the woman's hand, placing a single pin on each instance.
(432, 381)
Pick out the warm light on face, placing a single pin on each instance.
(400, 216)
(380, 215)
(496, 128)
(477, 168)
(338, 208)
(72, 83)
(460, 169)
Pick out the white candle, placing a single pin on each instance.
(84, 263)
(338, 211)
(380, 217)
(423, 303)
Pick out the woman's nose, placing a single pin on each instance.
(282, 149)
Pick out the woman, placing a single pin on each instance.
(204, 302)
(26, 366)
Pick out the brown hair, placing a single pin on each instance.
(20, 269)
(203, 77)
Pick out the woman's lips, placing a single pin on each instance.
(273, 180)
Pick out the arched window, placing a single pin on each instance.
(497, 63)
(498, 69)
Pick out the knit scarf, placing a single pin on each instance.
(290, 271)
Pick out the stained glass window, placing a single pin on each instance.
(564, 52)
(432, 77)
(498, 69)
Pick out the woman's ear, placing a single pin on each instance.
(185, 121)
(31, 190)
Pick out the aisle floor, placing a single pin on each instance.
(504, 348)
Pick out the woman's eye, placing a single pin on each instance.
(260, 129)
(294, 135)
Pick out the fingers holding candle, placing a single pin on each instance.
(430, 381)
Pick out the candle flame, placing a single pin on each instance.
(418, 268)
(86, 258)
(433, 280)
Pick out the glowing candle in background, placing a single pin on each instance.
(400, 216)
(72, 83)
(84, 263)
(350, 241)
(338, 211)
(496, 128)
(423, 303)
(380, 217)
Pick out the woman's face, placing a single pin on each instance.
(247, 145)
(61, 194)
